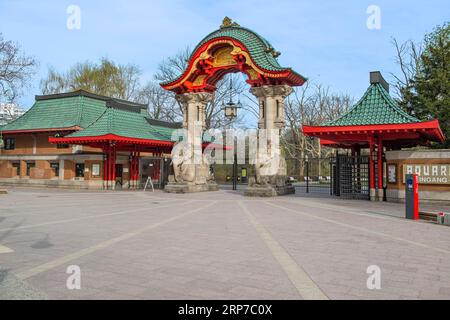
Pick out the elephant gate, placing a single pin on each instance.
(231, 49)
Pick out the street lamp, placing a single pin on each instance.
(230, 107)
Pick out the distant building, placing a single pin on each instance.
(9, 112)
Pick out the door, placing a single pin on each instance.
(351, 177)
(119, 174)
(79, 170)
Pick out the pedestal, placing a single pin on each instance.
(380, 194)
(373, 194)
(268, 191)
(176, 187)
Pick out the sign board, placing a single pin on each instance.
(429, 173)
(392, 173)
(95, 169)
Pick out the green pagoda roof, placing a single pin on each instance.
(375, 107)
(127, 124)
(57, 114)
(260, 49)
(67, 111)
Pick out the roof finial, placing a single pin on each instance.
(227, 22)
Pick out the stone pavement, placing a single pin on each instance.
(217, 245)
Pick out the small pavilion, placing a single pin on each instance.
(377, 123)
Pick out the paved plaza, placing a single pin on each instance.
(218, 245)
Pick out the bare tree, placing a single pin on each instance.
(310, 105)
(16, 69)
(172, 67)
(161, 103)
(407, 57)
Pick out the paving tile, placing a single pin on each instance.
(217, 253)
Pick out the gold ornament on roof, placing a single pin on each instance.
(227, 22)
(273, 52)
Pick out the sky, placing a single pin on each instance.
(328, 42)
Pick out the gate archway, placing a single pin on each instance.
(231, 49)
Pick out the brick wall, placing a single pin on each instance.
(7, 170)
(26, 144)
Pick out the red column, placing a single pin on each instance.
(132, 175)
(105, 166)
(138, 154)
(380, 170)
(134, 169)
(380, 163)
(371, 170)
(109, 166)
(113, 165)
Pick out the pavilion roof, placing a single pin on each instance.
(376, 114)
(375, 107)
(66, 111)
(127, 124)
(261, 51)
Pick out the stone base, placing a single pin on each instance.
(380, 194)
(268, 191)
(3, 191)
(373, 194)
(52, 183)
(174, 187)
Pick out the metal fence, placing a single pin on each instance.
(310, 175)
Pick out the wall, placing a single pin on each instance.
(34, 144)
(36, 148)
(427, 192)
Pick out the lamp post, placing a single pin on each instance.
(230, 109)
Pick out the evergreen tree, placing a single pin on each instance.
(429, 97)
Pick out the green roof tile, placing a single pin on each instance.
(255, 44)
(375, 107)
(125, 124)
(259, 48)
(96, 115)
(59, 113)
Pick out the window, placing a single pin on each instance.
(30, 164)
(55, 167)
(79, 170)
(62, 146)
(10, 143)
(278, 109)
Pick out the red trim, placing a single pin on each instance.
(416, 196)
(109, 137)
(184, 83)
(338, 131)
